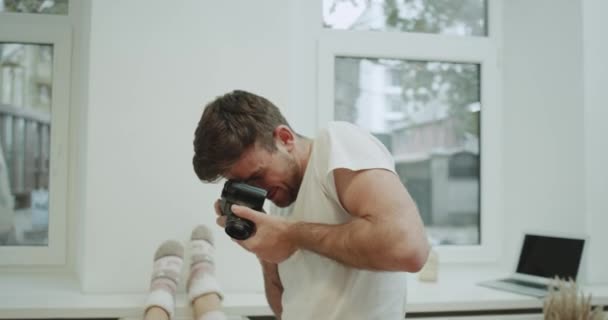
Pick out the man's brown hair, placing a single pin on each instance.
(230, 125)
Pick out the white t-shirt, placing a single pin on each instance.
(316, 287)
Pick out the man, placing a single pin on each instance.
(350, 217)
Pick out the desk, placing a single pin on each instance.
(455, 294)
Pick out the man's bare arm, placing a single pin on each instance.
(273, 287)
(386, 232)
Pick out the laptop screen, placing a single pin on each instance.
(548, 257)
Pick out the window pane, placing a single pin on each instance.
(427, 114)
(35, 6)
(454, 17)
(25, 123)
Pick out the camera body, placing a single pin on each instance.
(242, 194)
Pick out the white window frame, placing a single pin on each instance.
(56, 31)
(436, 47)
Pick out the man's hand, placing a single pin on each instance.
(270, 242)
(220, 220)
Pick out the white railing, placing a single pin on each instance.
(25, 139)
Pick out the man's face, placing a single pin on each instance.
(276, 172)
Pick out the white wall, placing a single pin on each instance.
(543, 119)
(596, 148)
(153, 66)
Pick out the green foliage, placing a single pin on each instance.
(456, 85)
(434, 16)
(35, 6)
(462, 80)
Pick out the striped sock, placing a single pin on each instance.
(168, 261)
(202, 269)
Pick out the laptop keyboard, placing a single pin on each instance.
(526, 284)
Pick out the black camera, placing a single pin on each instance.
(244, 195)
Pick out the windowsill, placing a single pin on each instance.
(41, 296)
(37, 296)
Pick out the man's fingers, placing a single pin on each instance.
(221, 221)
(246, 213)
(217, 207)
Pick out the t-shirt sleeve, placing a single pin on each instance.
(353, 148)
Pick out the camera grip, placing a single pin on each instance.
(236, 227)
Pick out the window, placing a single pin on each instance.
(34, 108)
(24, 127)
(454, 17)
(422, 76)
(426, 114)
(59, 7)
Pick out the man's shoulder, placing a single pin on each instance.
(335, 131)
(351, 146)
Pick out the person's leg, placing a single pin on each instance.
(156, 313)
(208, 307)
(203, 288)
(168, 261)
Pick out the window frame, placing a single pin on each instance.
(484, 51)
(56, 31)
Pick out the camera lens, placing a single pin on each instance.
(239, 229)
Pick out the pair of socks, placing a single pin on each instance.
(168, 261)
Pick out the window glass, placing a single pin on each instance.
(25, 122)
(35, 6)
(427, 113)
(453, 17)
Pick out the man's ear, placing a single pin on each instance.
(284, 136)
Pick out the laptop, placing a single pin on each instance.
(541, 259)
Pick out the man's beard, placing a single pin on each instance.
(293, 182)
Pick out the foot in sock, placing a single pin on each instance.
(168, 261)
(203, 288)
